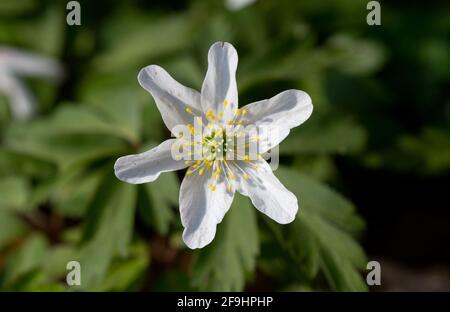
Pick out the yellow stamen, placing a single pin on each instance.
(212, 186)
(216, 174)
(225, 103)
(189, 110)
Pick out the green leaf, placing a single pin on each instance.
(12, 7)
(168, 34)
(75, 119)
(10, 227)
(125, 273)
(430, 151)
(56, 259)
(42, 140)
(158, 198)
(224, 264)
(327, 221)
(108, 229)
(354, 55)
(14, 192)
(337, 137)
(306, 248)
(119, 100)
(30, 256)
(73, 192)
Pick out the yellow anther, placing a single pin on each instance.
(189, 110)
(189, 172)
(210, 114)
(212, 186)
(187, 162)
(216, 174)
(225, 103)
(247, 145)
(244, 112)
(220, 114)
(239, 122)
(246, 176)
(231, 175)
(246, 157)
(229, 187)
(238, 112)
(230, 122)
(200, 172)
(199, 162)
(195, 166)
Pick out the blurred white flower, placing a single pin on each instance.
(16, 63)
(208, 187)
(235, 5)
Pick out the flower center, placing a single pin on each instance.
(217, 144)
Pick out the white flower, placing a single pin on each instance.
(14, 63)
(236, 5)
(208, 187)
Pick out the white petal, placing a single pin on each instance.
(21, 101)
(147, 166)
(172, 98)
(267, 193)
(201, 208)
(220, 81)
(235, 5)
(277, 115)
(29, 64)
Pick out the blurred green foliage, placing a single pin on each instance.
(60, 200)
